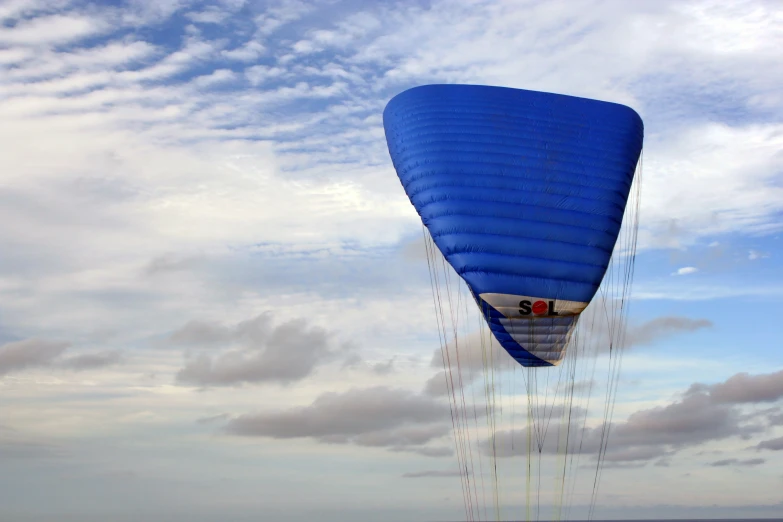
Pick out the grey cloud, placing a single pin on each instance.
(377, 417)
(662, 327)
(737, 462)
(436, 385)
(18, 355)
(89, 361)
(352, 361)
(404, 436)
(772, 444)
(431, 473)
(352, 413)
(284, 353)
(580, 386)
(745, 388)
(440, 384)
(467, 352)
(414, 249)
(202, 333)
(594, 321)
(703, 414)
(383, 368)
(692, 420)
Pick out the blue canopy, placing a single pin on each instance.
(524, 193)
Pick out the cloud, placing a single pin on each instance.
(737, 462)
(692, 420)
(383, 368)
(89, 361)
(755, 254)
(38, 353)
(772, 444)
(437, 385)
(686, 270)
(376, 417)
(744, 388)
(248, 52)
(269, 353)
(704, 413)
(663, 327)
(30, 353)
(211, 15)
(215, 77)
(352, 413)
(53, 29)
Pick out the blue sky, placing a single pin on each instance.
(201, 221)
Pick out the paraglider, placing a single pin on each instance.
(523, 194)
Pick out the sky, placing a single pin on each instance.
(214, 301)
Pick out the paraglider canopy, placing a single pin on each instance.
(523, 193)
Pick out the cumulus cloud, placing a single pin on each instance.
(737, 462)
(771, 444)
(30, 353)
(245, 53)
(743, 388)
(52, 29)
(663, 327)
(39, 353)
(384, 368)
(704, 413)
(89, 361)
(267, 353)
(378, 417)
(776, 419)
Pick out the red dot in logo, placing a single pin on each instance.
(540, 307)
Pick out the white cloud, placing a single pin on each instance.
(258, 74)
(215, 77)
(686, 270)
(209, 16)
(245, 53)
(53, 29)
